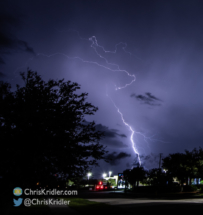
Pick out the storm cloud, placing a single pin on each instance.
(9, 42)
(141, 68)
(110, 137)
(109, 133)
(148, 99)
(114, 157)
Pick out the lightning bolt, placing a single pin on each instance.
(113, 67)
(93, 62)
(132, 131)
(94, 45)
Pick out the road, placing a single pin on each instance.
(148, 206)
(127, 201)
(121, 203)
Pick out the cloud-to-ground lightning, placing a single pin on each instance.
(109, 66)
(132, 132)
(113, 67)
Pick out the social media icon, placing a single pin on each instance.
(17, 202)
(17, 191)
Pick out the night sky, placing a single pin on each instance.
(142, 57)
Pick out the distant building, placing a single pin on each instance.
(121, 181)
(115, 177)
(194, 181)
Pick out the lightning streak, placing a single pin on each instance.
(92, 62)
(108, 66)
(95, 45)
(132, 131)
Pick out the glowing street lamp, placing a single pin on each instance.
(88, 175)
(104, 175)
(110, 174)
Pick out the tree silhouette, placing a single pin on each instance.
(157, 177)
(44, 132)
(135, 175)
(176, 166)
(184, 166)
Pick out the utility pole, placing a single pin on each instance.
(159, 174)
(160, 160)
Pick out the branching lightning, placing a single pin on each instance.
(96, 63)
(132, 131)
(111, 67)
(94, 45)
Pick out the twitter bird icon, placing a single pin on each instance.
(17, 202)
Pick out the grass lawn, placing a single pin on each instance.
(34, 209)
(84, 206)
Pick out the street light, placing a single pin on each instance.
(88, 175)
(104, 175)
(110, 174)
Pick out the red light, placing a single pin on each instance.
(100, 182)
(97, 187)
(105, 187)
(102, 187)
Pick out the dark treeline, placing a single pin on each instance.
(44, 135)
(183, 166)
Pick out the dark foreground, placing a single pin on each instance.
(116, 203)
